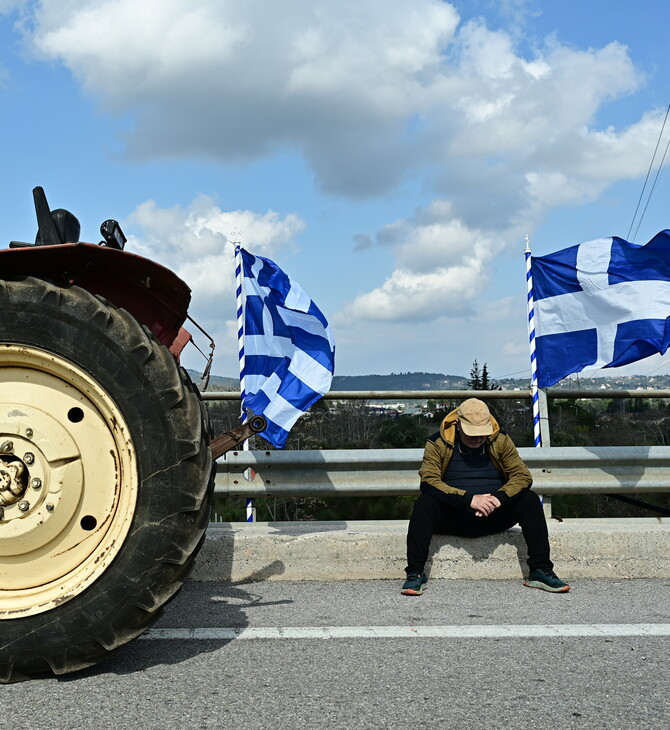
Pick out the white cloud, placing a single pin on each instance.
(409, 296)
(442, 266)
(371, 92)
(196, 243)
(516, 138)
(232, 81)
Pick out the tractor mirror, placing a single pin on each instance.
(113, 235)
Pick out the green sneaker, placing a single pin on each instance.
(415, 584)
(546, 580)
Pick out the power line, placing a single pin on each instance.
(653, 187)
(651, 165)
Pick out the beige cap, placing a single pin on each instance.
(474, 418)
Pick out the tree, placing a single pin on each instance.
(480, 380)
(486, 385)
(475, 382)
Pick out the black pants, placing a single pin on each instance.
(431, 516)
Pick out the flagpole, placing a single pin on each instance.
(534, 390)
(538, 396)
(239, 301)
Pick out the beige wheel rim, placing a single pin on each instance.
(68, 480)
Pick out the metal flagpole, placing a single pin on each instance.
(239, 299)
(538, 396)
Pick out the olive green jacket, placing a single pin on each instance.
(500, 448)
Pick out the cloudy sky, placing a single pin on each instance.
(390, 155)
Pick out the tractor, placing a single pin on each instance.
(106, 456)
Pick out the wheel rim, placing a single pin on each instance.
(68, 480)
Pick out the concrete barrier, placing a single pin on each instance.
(589, 548)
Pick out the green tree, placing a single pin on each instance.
(475, 382)
(480, 379)
(486, 384)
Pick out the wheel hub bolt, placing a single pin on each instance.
(36, 483)
(24, 506)
(6, 447)
(29, 457)
(29, 432)
(50, 507)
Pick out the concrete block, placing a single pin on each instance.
(590, 548)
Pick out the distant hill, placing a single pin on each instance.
(394, 381)
(399, 381)
(216, 382)
(438, 381)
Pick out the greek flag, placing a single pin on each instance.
(601, 304)
(289, 351)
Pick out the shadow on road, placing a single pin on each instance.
(193, 606)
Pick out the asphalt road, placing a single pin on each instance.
(358, 654)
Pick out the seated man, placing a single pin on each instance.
(474, 483)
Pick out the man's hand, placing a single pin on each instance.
(484, 504)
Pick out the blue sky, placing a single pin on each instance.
(389, 155)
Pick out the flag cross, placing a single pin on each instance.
(600, 305)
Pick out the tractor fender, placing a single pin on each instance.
(154, 295)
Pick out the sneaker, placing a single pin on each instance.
(546, 580)
(415, 584)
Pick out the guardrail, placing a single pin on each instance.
(616, 471)
(370, 472)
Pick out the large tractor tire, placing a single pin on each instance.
(106, 476)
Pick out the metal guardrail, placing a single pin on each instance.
(371, 472)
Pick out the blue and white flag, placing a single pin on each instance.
(289, 351)
(601, 304)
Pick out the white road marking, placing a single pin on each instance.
(410, 632)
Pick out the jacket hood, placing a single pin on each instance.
(448, 427)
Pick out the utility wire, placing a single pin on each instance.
(653, 187)
(651, 165)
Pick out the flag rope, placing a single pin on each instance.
(534, 390)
